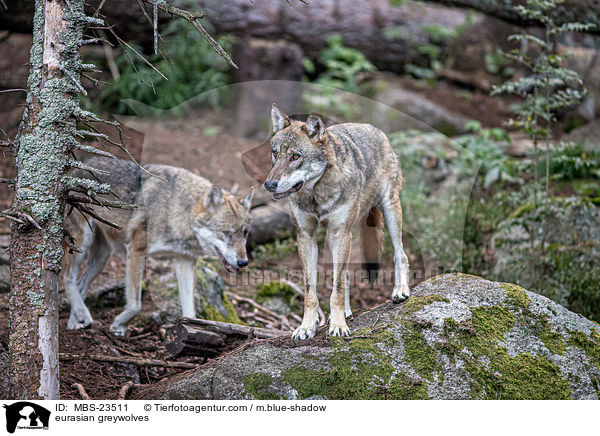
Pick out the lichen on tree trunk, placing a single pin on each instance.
(44, 144)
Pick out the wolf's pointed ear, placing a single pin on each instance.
(214, 197)
(278, 119)
(315, 127)
(246, 197)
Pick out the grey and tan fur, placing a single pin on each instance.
(340, 176)
(179, 215)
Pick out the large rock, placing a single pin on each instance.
(457, 337)
(404, 109)
(565, 268)
(586, 62)
(588, 135)
(261, 61)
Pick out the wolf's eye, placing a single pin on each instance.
(295, 156)
(274, 153)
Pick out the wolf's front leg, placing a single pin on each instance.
(339, 242)
(309, 253)
(136, 259)
(185, 270)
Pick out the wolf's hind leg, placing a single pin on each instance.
(98, 254)
(185, 270)
(80, 316)
(136, 259)
(392, 212)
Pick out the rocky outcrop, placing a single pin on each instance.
(457, 337)
(554, 248)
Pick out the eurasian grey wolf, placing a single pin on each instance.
(338, 176)
(179, 215)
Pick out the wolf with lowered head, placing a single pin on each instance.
(339, 176)
(178, 215)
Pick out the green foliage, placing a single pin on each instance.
(277, 289)
(274, 250)
(338, 68)
(438, 50)
(497, 63)
(570, 161)
(341, 65)
(550, 86)
(191, 66)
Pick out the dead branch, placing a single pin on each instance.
(125, 390)
(193, 18)
(75, 81)
(199, 337)
(8, 215)
(124, 359)
(12, 90)
(121, 41)
(8, 181)
(82, 393)
(254, 304)
(78, 198)
(85, 210)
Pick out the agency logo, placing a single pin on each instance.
(26, 415)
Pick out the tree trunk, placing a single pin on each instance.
(362, 24)
(201, 337)
(584, 11)
(45, 139)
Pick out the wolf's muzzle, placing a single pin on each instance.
(271, 185)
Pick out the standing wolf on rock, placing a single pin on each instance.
(179, 215)
(341, 175)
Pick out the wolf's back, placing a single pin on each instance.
(123, 176)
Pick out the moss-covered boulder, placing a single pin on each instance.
(562, 261)
(457, 337)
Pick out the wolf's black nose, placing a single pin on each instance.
(242, 262)
(270, 185)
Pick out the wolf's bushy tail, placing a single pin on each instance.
(371, 242)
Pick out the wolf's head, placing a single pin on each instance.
(221, 225)
(298, 154)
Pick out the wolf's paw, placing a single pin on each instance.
(79, 321)
(304, 332)
(400, 295)
(339, 329)
(118, 329)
